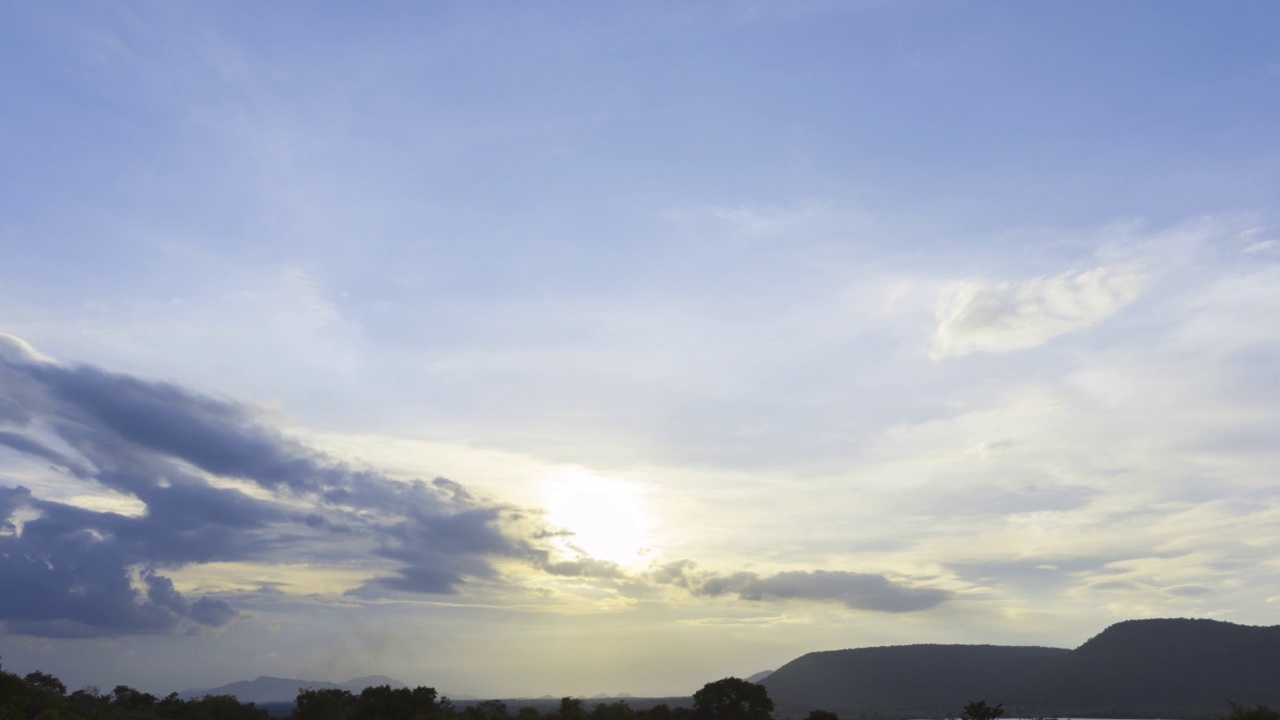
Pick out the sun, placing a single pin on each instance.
(606, 516)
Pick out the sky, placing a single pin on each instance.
(574, 348)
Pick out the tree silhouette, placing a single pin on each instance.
(41, 680)
(732, 699)
(323, 704)
(979, 710)
(1257, 712)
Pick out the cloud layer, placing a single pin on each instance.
(216, 483)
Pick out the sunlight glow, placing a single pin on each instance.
(606, 516)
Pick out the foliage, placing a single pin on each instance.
(571, 708)
(732, 699)
(1257, 712)
(380, 702)
(44, 682)
(979, 710)
(41, 696)
(617, 710)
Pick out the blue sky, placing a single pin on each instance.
(738, 331)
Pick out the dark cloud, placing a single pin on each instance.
(75, 572)
(72, 582)
(214, 613)
(33, 448)
(861, 591)
(11, 498)
(674, 573)
(436, 551)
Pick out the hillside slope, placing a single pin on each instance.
(266, 689)
(1156, 668)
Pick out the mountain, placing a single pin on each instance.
(924, 680)
(266, 689)
(760, 676)
(1152, 668)
(1142, 665)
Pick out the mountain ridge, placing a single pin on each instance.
(268, 689)
(1158, 668)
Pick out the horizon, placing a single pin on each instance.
(527, 350)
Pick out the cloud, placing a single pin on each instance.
(1189, 590)
(71, 571)
(218, 483)
(66, 576)
(585, 567)
(860, 591)
(976, 316)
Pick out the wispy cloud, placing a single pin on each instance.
(985, 317)
(859, 591)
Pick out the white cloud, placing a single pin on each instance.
(17, 350)
(976, 316)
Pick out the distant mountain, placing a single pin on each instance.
(1137, 668)
(924, 680)
(266, 689)
(760, 676)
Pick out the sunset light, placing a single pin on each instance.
(606, 517)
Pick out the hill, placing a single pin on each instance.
(924, 680)
(266, 689)
(1151, 668)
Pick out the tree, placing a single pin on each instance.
(572, 708)
(1257, 712)
(617, 710)
(486, 710)
(822, 715)
(382, 702)
(127, 701)
(324, 704)
(215, 707)
(732, 699)
(89, 702)
(661, 711)
(45, 682)
(979, 710)
(14, 694)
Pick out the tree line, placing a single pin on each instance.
(41, 696)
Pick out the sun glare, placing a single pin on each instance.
(606, 516)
